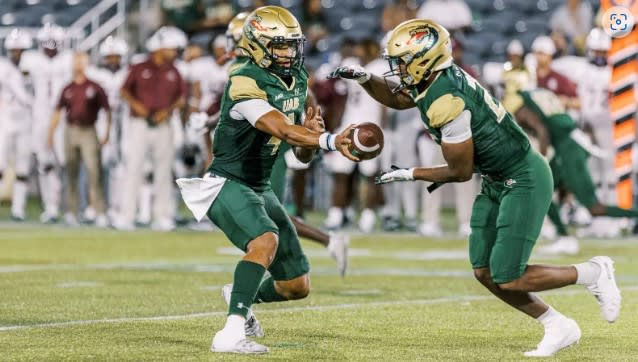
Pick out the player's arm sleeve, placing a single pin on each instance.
(445, 109)
(250, 110)
(459, 129)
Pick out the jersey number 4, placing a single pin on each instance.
(276, 142)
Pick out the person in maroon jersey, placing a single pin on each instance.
(153, 89)
(544, 50)
(82, 99)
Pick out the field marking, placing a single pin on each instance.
(453, 299)
(79, 284)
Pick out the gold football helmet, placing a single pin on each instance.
(416, 48)
(235, 30)
(272, 27)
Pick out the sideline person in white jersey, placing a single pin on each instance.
(110, 75)
(15, 119)
(360, 108)
(594, 90)
(50, 71)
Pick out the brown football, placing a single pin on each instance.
(367, 141)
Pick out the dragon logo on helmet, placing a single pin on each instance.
(425, 36)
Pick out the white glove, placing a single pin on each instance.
(397, 174)
(197, 122)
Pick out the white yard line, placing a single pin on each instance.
(454, 299)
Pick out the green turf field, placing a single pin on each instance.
(88, 294)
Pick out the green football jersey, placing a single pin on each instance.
(242, 152)
(238, 62)
(499, 143)
(552, 113)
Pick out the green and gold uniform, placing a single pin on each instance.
(517, 183)
(246, 207)
(569, 165)
(278, 175)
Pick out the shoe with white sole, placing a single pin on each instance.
(605, 289)
(430, 229)
(338, 249)
(252, 326)
(242, 346)
(334, 219)
(71, 220)
(565, 245)
(561, 334)
(367, 220)
(101, 221)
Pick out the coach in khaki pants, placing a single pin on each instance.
(82, 99)
(153, 89)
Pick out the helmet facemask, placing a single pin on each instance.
(273, 62)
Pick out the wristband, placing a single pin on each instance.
(331, 142)
(364, 78)
(327, 141)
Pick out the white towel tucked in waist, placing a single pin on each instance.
(200, 193)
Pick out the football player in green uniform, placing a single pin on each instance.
(263, 105)
(542, 112)
(477, 134)
(336, 243)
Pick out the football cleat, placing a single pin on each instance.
(338, 249)
(71, 220)
(562, 334)
(605, 289)
(222, 344)
(431, 230)
(252, 326)
(367, 220)
(335, 219)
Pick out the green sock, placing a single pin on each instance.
(554, 217)
(615, 211)
(267, 293)
(245, 285)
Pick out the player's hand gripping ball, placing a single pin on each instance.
(367, 141)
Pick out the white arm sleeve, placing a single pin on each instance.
(459, 129)
(250, 110)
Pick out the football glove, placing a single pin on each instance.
(356, 72)
(397, 174)
(197, 122)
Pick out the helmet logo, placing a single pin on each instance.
(255, 23)
(423, 35)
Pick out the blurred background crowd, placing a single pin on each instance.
(95, 102)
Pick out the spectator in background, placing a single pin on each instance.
(515, 72)
(454, 15)
(82, 100)
(314, 26)
(396, 12)
(544, 49)
(153, 89)
(574, 20)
